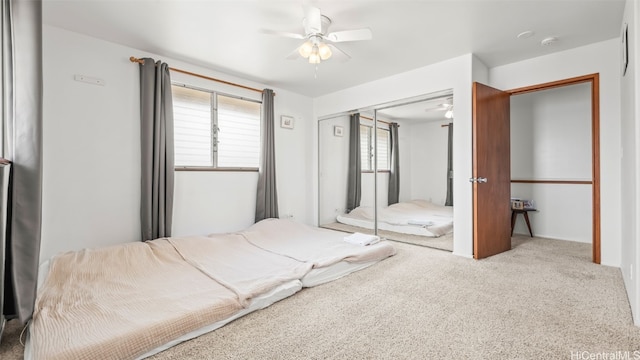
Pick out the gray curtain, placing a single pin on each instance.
(267, 195)
(22, 132)
(156, 133)
(354, 174)
(449, 201)
(394, 167)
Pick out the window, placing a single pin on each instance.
(215, 130)
(366, 148)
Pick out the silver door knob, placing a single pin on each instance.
(478, 180)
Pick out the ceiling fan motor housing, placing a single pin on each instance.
(324, 27)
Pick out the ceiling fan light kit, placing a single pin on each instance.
(449, 114)
(317, 38)
(315, 50)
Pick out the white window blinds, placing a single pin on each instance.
(215, 130)
(366, 148)
(239, 133)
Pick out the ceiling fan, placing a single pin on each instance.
(319, 43)
(446, 106)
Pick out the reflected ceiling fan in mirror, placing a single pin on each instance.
(319, 43)
(446, 106)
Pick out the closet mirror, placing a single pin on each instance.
(399, 156)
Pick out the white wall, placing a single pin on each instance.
(334, 166)
(551, 134)
(368, 189)
(630, 174)
(551, 140)
(91, 176)
(429, 142)
(453, 74)
(602, 58)
(564, 211)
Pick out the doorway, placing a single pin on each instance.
(482, 241)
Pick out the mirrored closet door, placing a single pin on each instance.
(403, 173)
(343, 187)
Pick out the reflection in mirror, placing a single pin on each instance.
(342, 190)
(405, 161)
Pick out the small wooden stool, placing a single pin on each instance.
(514, 215)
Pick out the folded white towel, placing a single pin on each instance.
(361, 239)
(420, 222)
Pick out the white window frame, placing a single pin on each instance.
(214, 131)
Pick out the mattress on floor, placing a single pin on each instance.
(262, 301)
(136, 299)
(241, 267)
(322, 275)
(90, 304)
(320, 247)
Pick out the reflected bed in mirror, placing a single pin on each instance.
(417, 222)
(390, 170)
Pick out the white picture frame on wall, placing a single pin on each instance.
(338, 130)
(286, 122)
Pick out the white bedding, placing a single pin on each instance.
(239, 266)
(119, 302)
(416, 217)
(320, 247)
(319, 276)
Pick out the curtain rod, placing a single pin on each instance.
(444, 125)
(382, 121)
(140, 61)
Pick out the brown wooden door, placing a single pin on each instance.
(491, 161)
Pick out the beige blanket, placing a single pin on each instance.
(241, 267)
(120, 302)
(320, 247)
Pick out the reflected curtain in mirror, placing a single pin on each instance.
(156, 135)
(22, 123)
(449, 201)
(267, 195)
(394, 166)
(354, 174)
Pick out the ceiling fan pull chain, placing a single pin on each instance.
(315, 75)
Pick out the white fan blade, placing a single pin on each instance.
(439, 108)
(312, 20)
(350, 35)
(338, 54)
(294, 54)
(282, 33)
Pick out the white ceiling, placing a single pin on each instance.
(225, 35)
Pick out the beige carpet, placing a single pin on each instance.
(542, 300)
(444, 242)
